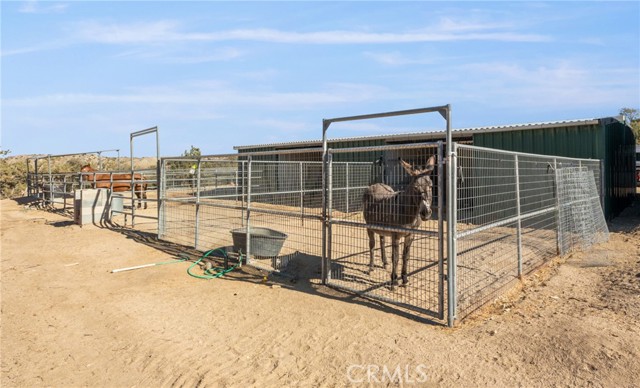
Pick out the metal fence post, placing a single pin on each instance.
(329, 212)
(248, 214)
(301, 195)
(347, 187)
(451, 232)
(64, 192)
(28, 179)
(558, 210)
(441, 275)
(323, 261)
(197, 203)
(50, 181)
(519, 222)
(242, 194)
(161, 193)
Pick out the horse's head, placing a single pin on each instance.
(87, 168)
(421, 185)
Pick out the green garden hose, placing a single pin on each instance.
(215, 272)
(210, 273)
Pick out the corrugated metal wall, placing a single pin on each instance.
(610, 141)
(580, 141)
(619, 166)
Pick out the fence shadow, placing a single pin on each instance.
(302, 274)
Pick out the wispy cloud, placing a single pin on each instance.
(184, 56)
(212, 94)
(564, 82)
(32, 6)
(45, 46)
(398, 59)
(169, 31)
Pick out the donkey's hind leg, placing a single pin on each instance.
(372, 247)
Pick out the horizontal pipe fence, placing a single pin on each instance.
(137, 189)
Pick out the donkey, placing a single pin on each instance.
(405, 209)
(116, 182)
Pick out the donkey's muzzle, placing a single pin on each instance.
(425, 211)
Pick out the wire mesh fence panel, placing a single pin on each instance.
(202, 201)
(537, 210)
(486, 225)
(384, 233)
(220, 192)
(285, 220)
(582, 222)
(510, 217)
(269, 211)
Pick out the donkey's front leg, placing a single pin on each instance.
(383, 252)
(408, 240)
(394, 260)
(372, 247)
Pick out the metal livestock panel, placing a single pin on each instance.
(508, 211)
(231, 201)
(357, 222)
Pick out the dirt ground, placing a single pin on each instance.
(67, 321)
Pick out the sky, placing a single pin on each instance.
(81, 76)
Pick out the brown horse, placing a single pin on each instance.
(116, 182)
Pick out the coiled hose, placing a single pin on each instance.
(215, 272)
(210, 273)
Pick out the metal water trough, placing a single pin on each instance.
(265, 242)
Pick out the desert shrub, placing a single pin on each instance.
(13, 178)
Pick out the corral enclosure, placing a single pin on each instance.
(437, 254)
(130, 193)
(508, 217)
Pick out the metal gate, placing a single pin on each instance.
(350, 239)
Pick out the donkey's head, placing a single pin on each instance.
(421, 185)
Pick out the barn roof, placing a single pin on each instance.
(427, 135)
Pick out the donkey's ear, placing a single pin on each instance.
(431, 163)
(407, 167)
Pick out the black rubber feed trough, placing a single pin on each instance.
(265, 242)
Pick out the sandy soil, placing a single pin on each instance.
(67, 321)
